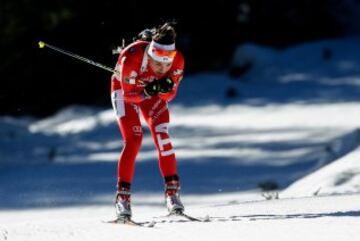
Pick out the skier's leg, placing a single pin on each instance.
(130, 127)
(156, 114)
(131, 130)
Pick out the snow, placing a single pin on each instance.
(341, 176)
(321, 218)
(294, 123)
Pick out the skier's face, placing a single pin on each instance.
(159, 68)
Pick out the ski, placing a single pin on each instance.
(130, 222)
(186, 216)
(182, 214)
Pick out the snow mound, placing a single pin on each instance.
(314, 61)
(339, 177)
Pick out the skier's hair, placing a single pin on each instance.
(165, 33)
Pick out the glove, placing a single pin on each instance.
(152, 88)
(165, 85)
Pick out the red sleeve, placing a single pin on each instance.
(127, 77)
(176, 74)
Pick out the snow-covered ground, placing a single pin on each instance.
(330, 218)
(294, 124)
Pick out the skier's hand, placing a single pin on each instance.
(165, 85)
(152, 88)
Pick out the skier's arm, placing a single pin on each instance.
(175, 75)
(127, 77)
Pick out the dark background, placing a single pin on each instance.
(38, 82)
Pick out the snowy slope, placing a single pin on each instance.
(296, 115)
(341, 176)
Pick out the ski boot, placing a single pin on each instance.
(172, 197)
(123, 204)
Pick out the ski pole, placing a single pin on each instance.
(68, 53)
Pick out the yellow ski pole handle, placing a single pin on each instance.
(68, 53)
(41, 44)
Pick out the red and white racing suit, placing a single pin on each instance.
(128, 101)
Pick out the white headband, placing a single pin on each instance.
(164, 59)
